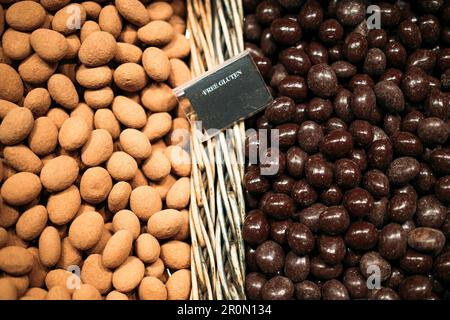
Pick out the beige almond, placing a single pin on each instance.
(9, 216)
(159, 10)
(119, 196)
(130, 77)
(129, 34)
(164, 185)
(135, 143)
(179, 73)
(70, 256)
(121, 166)
(117, 249)
(100, 98)
(158, 125)
(38, 101)
(21, 158)
(63, 91)
(74, 133)
(165, 224)
(11, 86)
(15, 261)
(94, 78)
(16, 44)
(157, 166)
(44, 136)
(179, 194)
(147, 248)
(156, 33)
(110, 20)
(133, 11)
(5, 107)
(176, 254)
(25, 15)
(156, 64)
(64, 205)
(58, 293)
(152, 288)
(105, 119)
(94, 273)
(116, 295)
(16, 126)
(34, 70)
(58, 116)
(126, 219)
(49, 246)
(179, 285)
(86, 230)
(86, 292)
(178, 24)
(92, 9)
(98, 148)
(156, 269)
(180, 160)
(177, 48)
(21, 188)
(127, 52)
(48, 44)
(184, 232)
(88, 28)
(128, 276)
(4, 237)
(128, 112)
(36, 293)
(64, 19)
(97, 49)
(59, 173)
(159, 97)
(144, 202)
(32, 222)
(84, 111)
(95, 185)
(73, 46)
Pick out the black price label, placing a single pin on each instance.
(221, 97)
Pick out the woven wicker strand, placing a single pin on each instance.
(217, 201)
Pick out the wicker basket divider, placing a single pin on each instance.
(217, 202)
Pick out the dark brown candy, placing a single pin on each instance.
(358, 202)
(319, 110)
(355, 47)
(296, 61)
(347, 173)
(401, 208)
(355, 283)
(331, 31)
(403, 170)
(415, 287)
(430, 212)
(337, 144)
(280, 110)
(254, 283)
(334, 290)
(269, 257)
(307, 290)
(322, 80)
(363, 102)
(318, 172)
(309, 136)
(427, 240)
(285, 31)
(392, 242)
(377, 183)
(331, 249)
(256, 228)
(389, 96)
(334, 220)
(321, 270)
(279, 205)
(300, 238)
(372, 263)
(267, 11)
(278, 229)
(278, 288)
(414, 262)
(361, 235)
(296, 267)
(295, 161)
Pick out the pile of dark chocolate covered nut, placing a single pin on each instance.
(358, 208)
